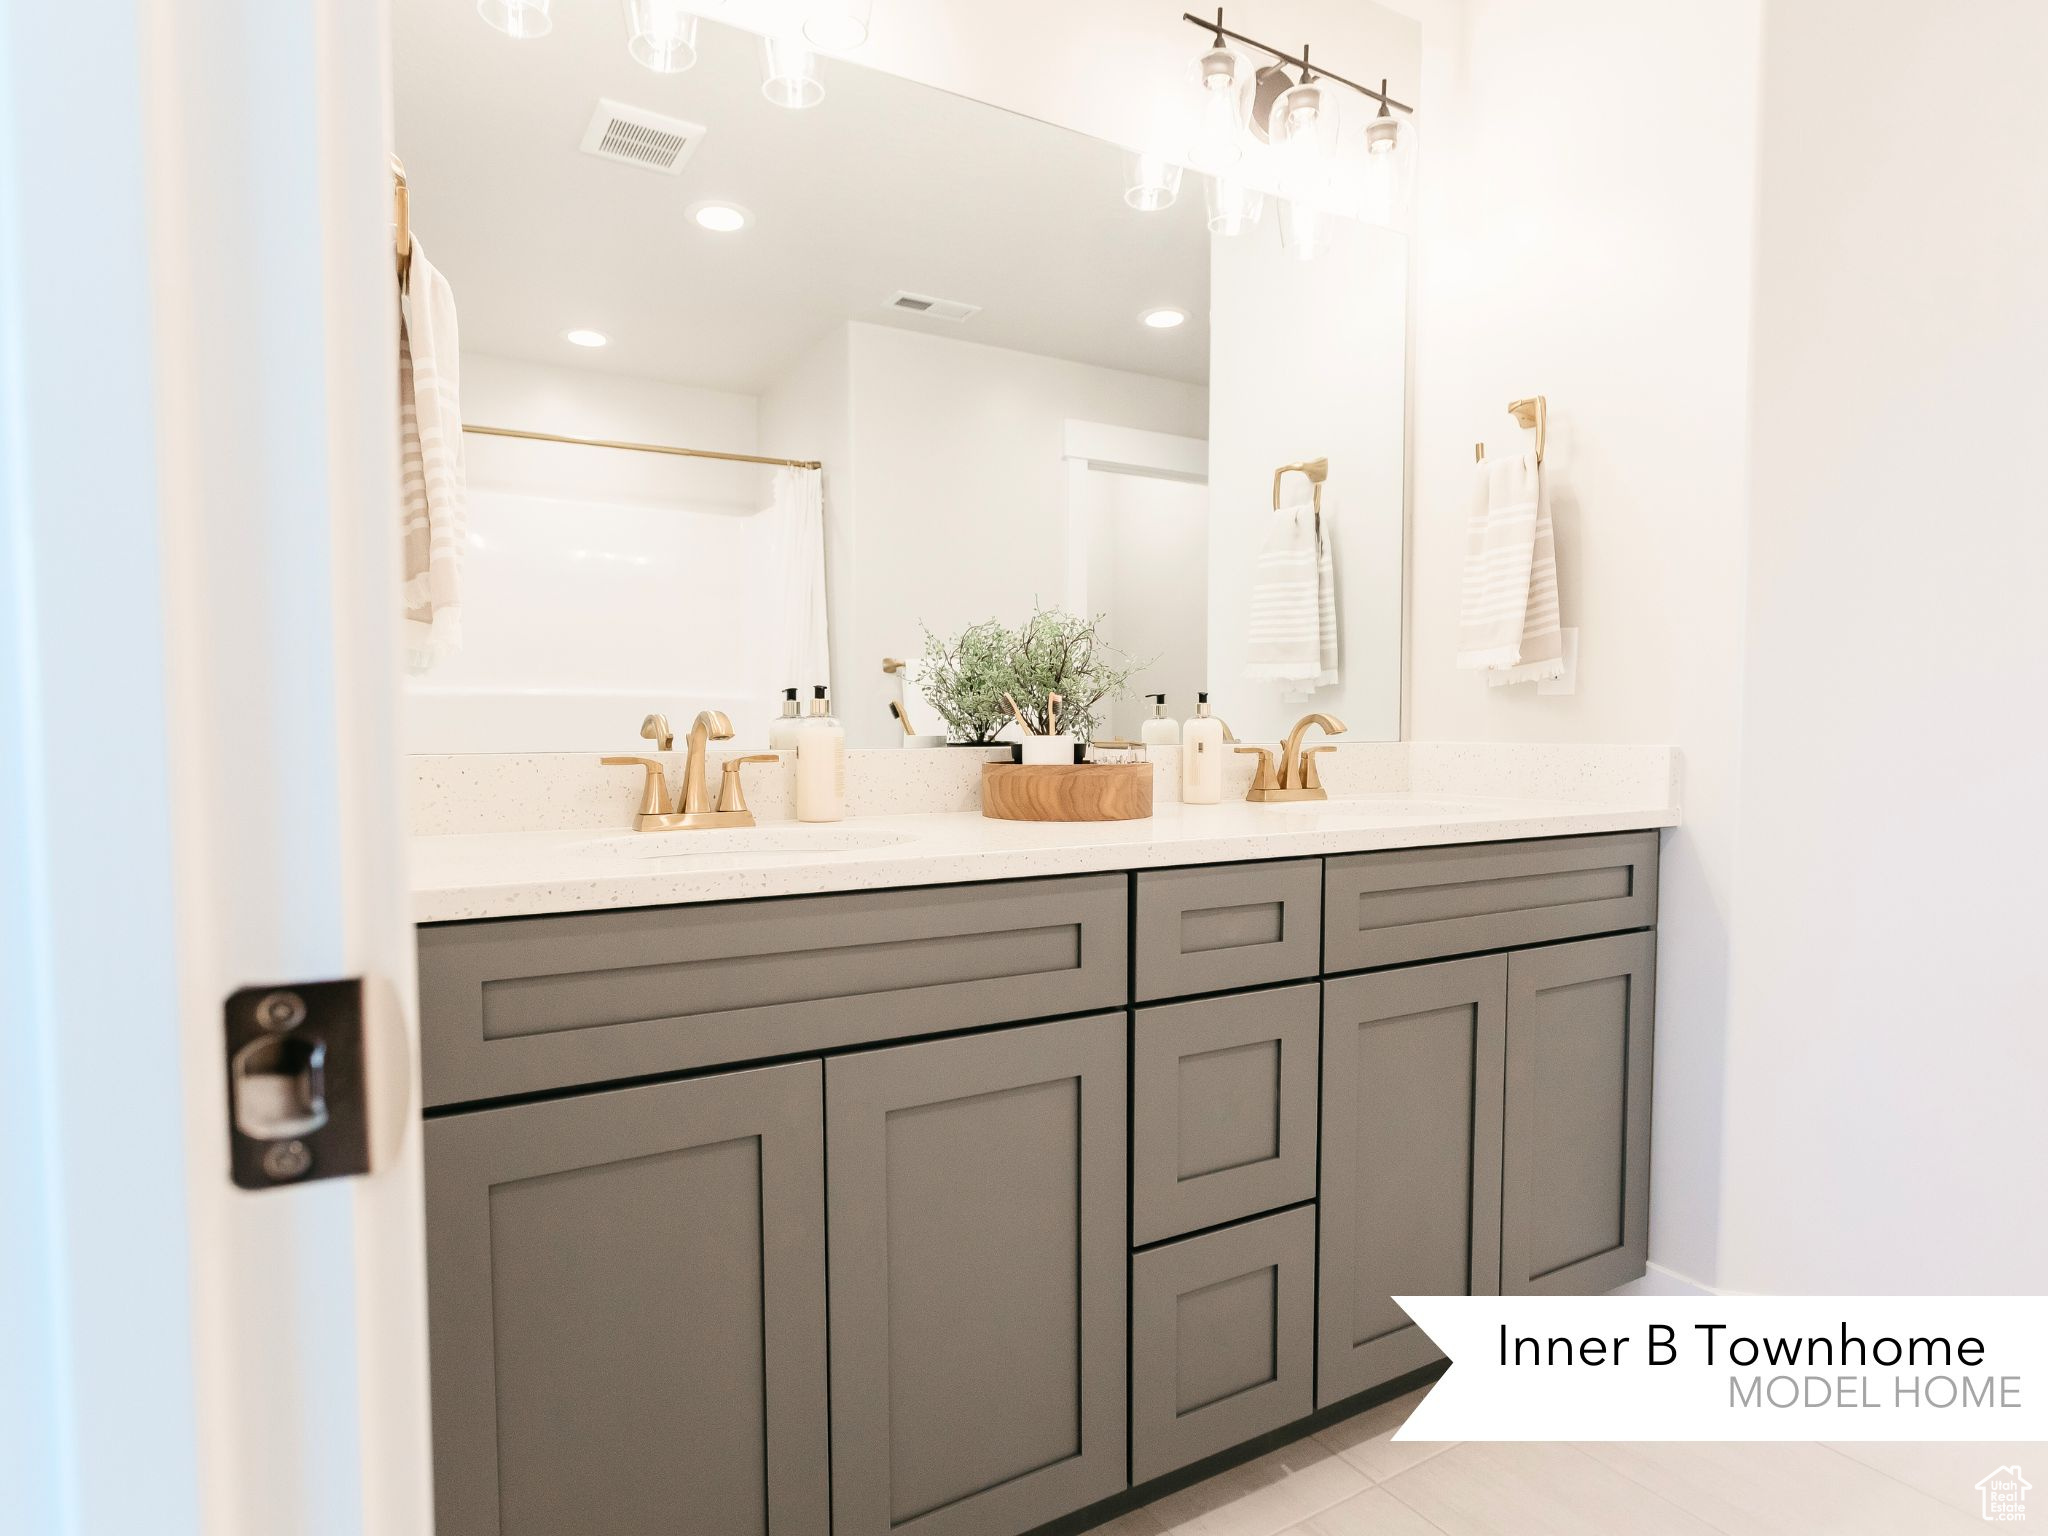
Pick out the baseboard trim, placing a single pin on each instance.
(1656, 1280)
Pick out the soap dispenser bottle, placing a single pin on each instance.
(782, 730)
(1160, 730)
(1201, 756)
(820, 763)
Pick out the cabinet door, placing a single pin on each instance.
(1411, 1194)
(626, 1294)
(977, 1208)
(1576, 1162)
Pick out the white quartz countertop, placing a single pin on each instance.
(505, 874)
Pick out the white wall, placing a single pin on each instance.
(959, 511)
(1887, 1055)
(585, 602)
(1585, 225)
(1308, 361)
(1148, 552)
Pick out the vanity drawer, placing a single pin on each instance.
(1222, 1339)
(522, 1004)
(1422, 904)
(1225, 926)
(1223, 1111)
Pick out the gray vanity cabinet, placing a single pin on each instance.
(1575, 1214)
(1411, 1159)
(627, 1305)
(976, 1206)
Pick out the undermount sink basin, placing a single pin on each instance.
(743, 840)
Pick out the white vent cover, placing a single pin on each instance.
(635, 136)
(925, 304)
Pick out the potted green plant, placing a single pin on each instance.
(965, 677)
(1063, 653)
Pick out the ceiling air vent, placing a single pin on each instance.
(925, 304)
(635, 136)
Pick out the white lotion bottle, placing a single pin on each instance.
(782, 731)
(1159, 731)
(1201, 756)
(820, 764)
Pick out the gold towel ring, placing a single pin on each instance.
(1317, 470)
(1532, 412)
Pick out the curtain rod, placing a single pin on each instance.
(599, 442)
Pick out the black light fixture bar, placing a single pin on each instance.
(1219, 31)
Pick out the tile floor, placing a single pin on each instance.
(1352, 1479)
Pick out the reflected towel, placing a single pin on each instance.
(433, 496)
(1508, 623)
(1293, 619)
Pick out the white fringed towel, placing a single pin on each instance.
(1293, 619)
(1508, 624)
(434, 498)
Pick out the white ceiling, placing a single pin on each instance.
(886, 185)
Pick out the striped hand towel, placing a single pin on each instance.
(1293, 638)
(1508, 617)
(434, 500)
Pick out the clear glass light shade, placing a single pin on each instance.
(517, 18)
(1387, 182)
(1303, 130)
(1233, 206)
(661, 35)
(1151, 182)
(837, 25)
(1304, 229)
(792, 78)
(1222, 86)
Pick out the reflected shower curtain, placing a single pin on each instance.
(799, 513)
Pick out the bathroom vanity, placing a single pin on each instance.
(959, 1209)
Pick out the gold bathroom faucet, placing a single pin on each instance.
(1295, 777)
(695, 813)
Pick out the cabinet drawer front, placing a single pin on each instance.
(1576, 1150)
(1236, 925)
(1411, 1176)
(977, 1267)
(1222, 1339)
(1223, 1109)
(627, 1304)
(520, 1004)
(1422, 904)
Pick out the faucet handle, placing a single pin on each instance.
(1265, 778)
(657, 730)
(1310, 779)
(732, 794)
(654, 800)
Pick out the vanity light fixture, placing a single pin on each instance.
(838, 25)
(1164, 319)
(720, 218)
(1289, 96)
(1151, 182)
(517, 18)
(790, 76)
(586, 338)
(661, 35)
(1304, 134)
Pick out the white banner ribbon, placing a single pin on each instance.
(1735, 1368)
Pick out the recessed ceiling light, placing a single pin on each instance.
(1163, 319)
(721, 218)
(586, 338)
